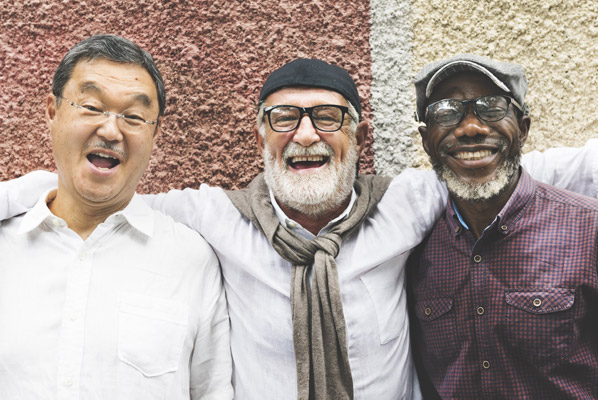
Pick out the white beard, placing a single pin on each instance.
(311, 194)
(479, 191)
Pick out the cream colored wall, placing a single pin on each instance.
(556, 42)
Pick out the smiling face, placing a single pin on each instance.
(479, 160)
(100, 163)
(308, 170)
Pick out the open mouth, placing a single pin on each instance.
(305, 162)
(103, 162)
(473, 155)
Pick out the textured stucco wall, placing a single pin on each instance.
(214, 56)
(555, 40)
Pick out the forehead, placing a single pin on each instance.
(305, 97)
(464, 86)
(108, 77)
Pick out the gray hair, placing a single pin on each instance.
(260, 119)
(113, 48)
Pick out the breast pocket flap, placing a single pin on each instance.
(541, 301)
(430, 309)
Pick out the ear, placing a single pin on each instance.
(524, 123)
(361, 133)
(50, 109)
(259, 139)
(423, 131)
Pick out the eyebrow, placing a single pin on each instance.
(89, 86)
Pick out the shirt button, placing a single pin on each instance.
(68, 382)
(504, 228)
(537, 302)
(457, 229)
(428, 311)
(81, 256)
(56, 222)
(486, 364)
(477, 258)
(74, 317)
(480, 310)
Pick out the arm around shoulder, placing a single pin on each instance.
(571, 168)
(19, 195)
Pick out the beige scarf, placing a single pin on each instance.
(323, 370)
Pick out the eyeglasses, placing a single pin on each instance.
(325, 117)
(450, 112)
(133, 122)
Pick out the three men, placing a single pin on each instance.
(312, 258)
(101, 296)
(505, 288)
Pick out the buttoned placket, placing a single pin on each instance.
(480, 275)
(72, 333)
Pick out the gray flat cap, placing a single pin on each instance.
(508, 77)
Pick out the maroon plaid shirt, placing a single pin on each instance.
(513, 315)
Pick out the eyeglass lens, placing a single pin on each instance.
(450, 112)
(127, 122)
(325, 118)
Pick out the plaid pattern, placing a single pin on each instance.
(515, 314)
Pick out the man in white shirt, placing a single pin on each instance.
(102, 297)
(310, 190)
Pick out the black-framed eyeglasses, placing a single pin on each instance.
(324, 117)
(129, 122)
(449, 112)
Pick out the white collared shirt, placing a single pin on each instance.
(370, 268)
(300, 230)
(136, 311)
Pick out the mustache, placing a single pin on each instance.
(500, 144)
(106, 146)
(294, 150)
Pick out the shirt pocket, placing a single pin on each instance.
(438, 327)
(385, 285)
(151, 333)
(540, 323)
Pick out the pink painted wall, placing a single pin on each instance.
(214, 57)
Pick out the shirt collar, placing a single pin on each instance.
(522, 194)
(300, 230)
(137, 213)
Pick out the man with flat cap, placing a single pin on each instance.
(313, 257)
(504, 291)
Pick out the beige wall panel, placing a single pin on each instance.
(556, 42)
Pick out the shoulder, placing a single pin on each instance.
(565, 198)
(180, 243)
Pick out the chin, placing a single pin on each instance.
(312, 194)
(484, 190)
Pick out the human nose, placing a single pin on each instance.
(306, 133)
(471, 125)
(109, 129)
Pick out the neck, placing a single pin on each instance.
(479, 214)
(81, 217)
(314, 224)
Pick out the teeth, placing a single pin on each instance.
(103, 155)
(307, 158)
(472, 155)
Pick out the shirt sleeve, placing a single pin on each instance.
(211, 362)
(184, 206)
(571, 168)
(20, 195)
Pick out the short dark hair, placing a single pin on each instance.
(113, 48)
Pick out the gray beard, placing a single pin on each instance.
(316, 193)
(479, 191)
